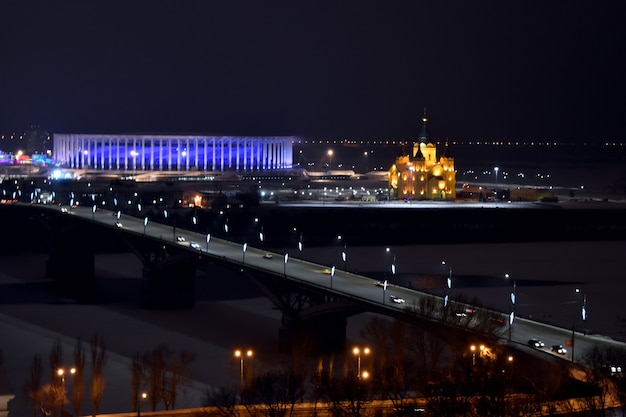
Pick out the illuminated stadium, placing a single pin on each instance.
(172, 152)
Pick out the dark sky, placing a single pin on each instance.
(318, 69)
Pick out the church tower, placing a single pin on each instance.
(421, 175)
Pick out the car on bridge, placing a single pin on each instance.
(559, 349)
(536, 343)
(194, 245)
(267, 255)
(180, 238)
(396, 299)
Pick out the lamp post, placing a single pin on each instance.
(240, 354)
(495, 195)
(300, 245)
(473, 348)
(61, 374)
(285, 265)
(141, 396)
(448, 286)
(330, 159)
(208, 239)
(243, 252)
(145, 223)
(357, 352)
(512, 306)
(583, 313)
(344, 253)
(393, 262)
(365, 155)
(332, 274)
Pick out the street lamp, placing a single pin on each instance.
(447, 286)
(145, 223)
(344, 253)
(481, 349)
(330, 159)
(208, 239)
(496, 169)
(240, 354)
(285, 265)
(357, 352)
(300, 245)
(61, 374)
(243, 259)
(143, 396)
(365, 154)
(512, 305)
(583, 313)
(332, 274)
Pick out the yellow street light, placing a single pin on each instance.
(142, 396)
(357, 352)
(240, 354)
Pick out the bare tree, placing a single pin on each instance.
(52, 398)
(274, 394)
(97, 348)
(57, 394)
(78, 394)
(154, 366)
(224, 401)
(33, 385)
(56, 362)
(347, 396)
(136, 377)
(178, 376)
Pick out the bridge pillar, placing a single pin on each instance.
(169, 283)
(326, 334)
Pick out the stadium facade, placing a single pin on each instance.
(172, 152)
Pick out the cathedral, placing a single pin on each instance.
(420, 175)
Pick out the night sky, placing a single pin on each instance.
(333, 69)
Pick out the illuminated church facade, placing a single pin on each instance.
(422, 175)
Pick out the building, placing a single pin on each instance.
(421, 175)
(171, 152)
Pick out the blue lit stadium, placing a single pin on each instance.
(172, 152)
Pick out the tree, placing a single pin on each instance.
(165, 371)
(136, 377)
(276, 392)
(153, 365)
(78, 394)
(347, 396)
(178, 376)
(33, 385)
(97, 348)
(224, 400)
(56, 395)
(56, 362)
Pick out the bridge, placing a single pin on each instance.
(312, 297)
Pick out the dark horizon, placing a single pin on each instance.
(363, 69)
